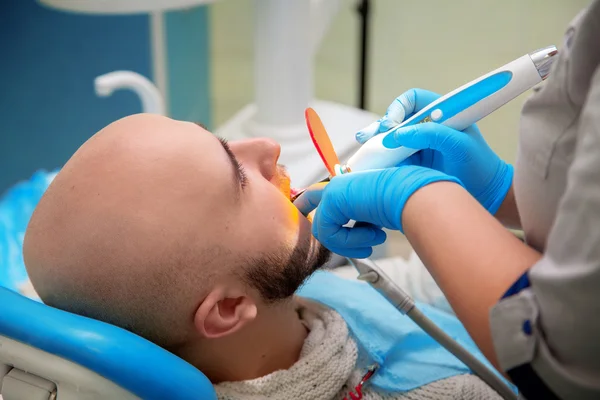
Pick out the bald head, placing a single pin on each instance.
(152, 215)
(116, 234)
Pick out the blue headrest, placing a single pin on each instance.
(133, 363)
(16, 207)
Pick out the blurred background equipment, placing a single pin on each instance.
(248, 68)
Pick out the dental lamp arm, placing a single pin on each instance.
(468, 252)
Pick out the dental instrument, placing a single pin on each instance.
(458, 109)
(369, 272)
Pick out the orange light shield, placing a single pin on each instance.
(321, 140)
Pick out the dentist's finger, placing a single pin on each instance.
(350, 237)
(332, 234)
(361, 252)
(366, 224)
(368, 132)
(310, 199)
(405, 106)
(431, 136)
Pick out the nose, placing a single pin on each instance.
(260, 153)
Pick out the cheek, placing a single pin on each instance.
(274, 218)
(277, 211)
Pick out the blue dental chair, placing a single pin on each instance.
(49, 354)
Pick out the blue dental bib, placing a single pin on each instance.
(408, 357)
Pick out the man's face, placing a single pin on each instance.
(252, 217)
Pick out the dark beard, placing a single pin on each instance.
(279, 275)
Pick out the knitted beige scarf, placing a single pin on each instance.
(326, 362)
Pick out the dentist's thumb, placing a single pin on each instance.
(310, 199)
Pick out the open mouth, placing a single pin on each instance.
(294, 192)
(284, 184)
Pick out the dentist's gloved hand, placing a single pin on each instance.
(374, 199)
(465, 155)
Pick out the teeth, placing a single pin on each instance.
(294, 192)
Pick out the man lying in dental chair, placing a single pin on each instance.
(159, 227)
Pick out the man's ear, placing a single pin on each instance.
(223, 312)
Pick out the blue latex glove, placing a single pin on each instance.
(309, 200)
(373, 198)
(465, 155)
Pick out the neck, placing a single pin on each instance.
(272, 342)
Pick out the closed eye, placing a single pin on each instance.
(238, 168)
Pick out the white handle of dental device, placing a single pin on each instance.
(523, 75)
